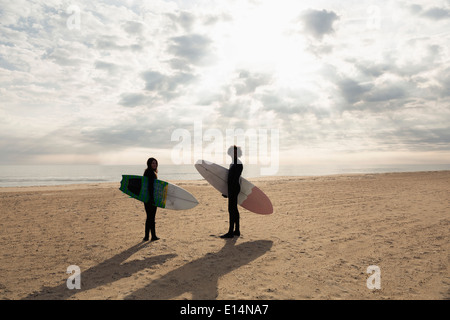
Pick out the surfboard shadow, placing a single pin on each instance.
(108, 271)
(200, 277)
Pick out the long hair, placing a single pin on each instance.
(149, 164)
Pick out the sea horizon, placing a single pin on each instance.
(50, 175)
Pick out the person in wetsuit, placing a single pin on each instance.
(234, 187)
(150, 208)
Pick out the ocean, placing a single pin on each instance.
(44, 175)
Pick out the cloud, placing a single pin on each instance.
(235, 98)
(154, 80)
(111, 68)
(432, 13)
(133, 99)
(372, 69)
(287, 103)
(386, 92)
(371, 93)
(436, 13)
(443, 80)
(111, 42)
(166, 87)
(123, 135)
(63, 57)
(135, 71)
(183, 20)
(318, 23)
(133, 27)
(351, 90)
(236, 108)
(248, 82)
(192, 48)
(5, 64)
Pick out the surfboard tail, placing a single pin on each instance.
(258, 202)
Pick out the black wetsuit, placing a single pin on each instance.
(234, 188)
(150, 208)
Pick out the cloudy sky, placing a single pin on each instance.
(109, 82)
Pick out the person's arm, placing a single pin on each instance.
(151, 177)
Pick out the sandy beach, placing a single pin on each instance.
(324, 234)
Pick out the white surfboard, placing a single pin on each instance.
(250, 197)
(179, 199)
(165, 194)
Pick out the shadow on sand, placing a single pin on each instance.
(108, 271)
(200, 277)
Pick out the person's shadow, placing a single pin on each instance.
(106, 272)
(200, 277)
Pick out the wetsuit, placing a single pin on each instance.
(234, 188)
(150, 208)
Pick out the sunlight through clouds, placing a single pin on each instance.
(81, 80)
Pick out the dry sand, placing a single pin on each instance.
(324, 234)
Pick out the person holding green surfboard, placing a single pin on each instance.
(150, 208)
(234, 188)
